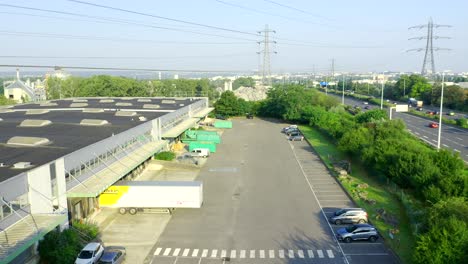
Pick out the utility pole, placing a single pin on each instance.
(440, 112)
(342, 96)
(266, 67)
(429, 50)
(333, 71)
(404, 87)
(381, 99)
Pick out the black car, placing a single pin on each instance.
(249, 116)
(221, 117)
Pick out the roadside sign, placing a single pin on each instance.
(401, 108)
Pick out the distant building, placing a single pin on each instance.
(463, 84)
(176, 76)
(24, 92)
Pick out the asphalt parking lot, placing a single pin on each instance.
(266, 200)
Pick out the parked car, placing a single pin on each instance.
(367, 107)
(90, 253)
(249, 116)
(113, 255)
(291, 130)
(433, 125)
(288, 127)
(357, 232)
(221, 117)
(298, 137)
(349, 216)
(366, 103)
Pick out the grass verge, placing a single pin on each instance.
(403, 241)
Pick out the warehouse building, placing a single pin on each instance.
(57, 157)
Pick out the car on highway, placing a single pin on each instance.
(419, 108)
(433, 125)
(367, 107)
(431, 112)
(113, 255)
(349, 216)
(357, 232)
(90, 254)
(451, 113)
(296, 138)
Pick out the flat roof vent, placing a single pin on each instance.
(48, 104)
(168, 102)
(35, 123)
(80, 100)
(27, 141)
(123, 104)
(78, 104)
(22, 165)
(125, 113)
(181, 104)
(93, 122)
(37, 112)
(93, 110)
(3, 165)
(151, 106)
(106, 100)
(144, 100)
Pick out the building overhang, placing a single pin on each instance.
(203, 112)
(113, 171)
(180, 128)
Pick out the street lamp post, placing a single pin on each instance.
(404, 87)
(440, 112)
(381, 98)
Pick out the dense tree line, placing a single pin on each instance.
(229, 105)
(104, 85)
(437, 178)
(243, 81)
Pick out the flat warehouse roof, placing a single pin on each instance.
(40, 137)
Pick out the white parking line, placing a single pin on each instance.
(417, 133)
(271, 253)
(176, 252)
(252, 253)
(445, 145)
(320, 253)
(262, 253)
(425, 137)
(233, 253)
(281, 253)
(242, 254)
(300, 253)
(310, 253)
(456, 150)
(459, 138)
(158, 250)
(204, 253)
(214, 253)
(167, 251)
(195, 253)
(185, 253)
(291, 253)
(330, 254)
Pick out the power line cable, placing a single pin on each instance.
(295, 9)
(120, 57)
(161, 17)
(114, 69)
(83, 37)
(114, 20)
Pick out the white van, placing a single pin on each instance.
(200, 152)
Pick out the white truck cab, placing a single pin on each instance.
(200, 152)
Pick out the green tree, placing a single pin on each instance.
(243, 81)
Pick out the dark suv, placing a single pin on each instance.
(357, 232)
(349, 216)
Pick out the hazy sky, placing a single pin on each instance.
(359, 35)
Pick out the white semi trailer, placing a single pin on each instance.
(134, 196)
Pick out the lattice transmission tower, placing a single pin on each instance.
(428, 68)
(265, 53)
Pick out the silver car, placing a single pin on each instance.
(357, 232)
(349, 216)
(113, 255)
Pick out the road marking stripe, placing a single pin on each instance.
(204, 253)
(195, 253)
(242, 254)
(176, 252)
(158, 250)
(291, 253)
(320, 253)
(416, 133)
(262, 253)
(233, 253)
(281, 253)
(186, 251)
(214, 252)
(310, 253)
(223, 253)
(459, 139)
(456, 150)
(425, 137)
(330, 254)
(252, 253)
(271, 253)
(300, 253)
(166, 252)
(445, 145)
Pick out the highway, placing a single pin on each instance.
(453, 138)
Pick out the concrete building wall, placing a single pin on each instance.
(16, 94)
(61, 197)
(40, 190)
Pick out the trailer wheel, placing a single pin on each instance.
(122, 210)
(132, 211)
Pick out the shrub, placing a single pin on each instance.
(88, 229)
(165, 155)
